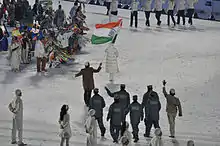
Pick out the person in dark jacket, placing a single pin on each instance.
(19, 11)
(136, 115)
(152, 115)
(145, 103)
(97, 103)
(115, 115)
(123, 96)
(88, 80)
(37, 8)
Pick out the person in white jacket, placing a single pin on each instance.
(40, 54)
(190, 10)
(157, 140)
(171, 4)
(181, 11)
(65, 129)
(111, 61)
(114, 11)
(15, 54)
(158, 11)
(91, 128)
(134, 12)
(147, 9)
(16, 107)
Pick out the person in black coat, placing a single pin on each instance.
(136, 115)
(19, 11)
(123, 95)
(152, 106)
(97, 103)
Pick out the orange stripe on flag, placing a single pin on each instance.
(109, 25)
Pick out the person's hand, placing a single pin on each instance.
(100, 65)
(164, 82)
(180, 114)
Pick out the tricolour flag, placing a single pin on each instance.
(105, 32)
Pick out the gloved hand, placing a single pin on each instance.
(180, 114)
(164, 82)
(100, 65)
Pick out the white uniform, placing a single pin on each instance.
(191, 3)
(158, 5)
(181, 5)
(134, 5)
(24, 54)
(171, 4)
(15, 55)
(17, 105)
(147, 5)
(91, 129)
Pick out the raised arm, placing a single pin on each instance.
(164, 91)
(98, 69)
(109, 92)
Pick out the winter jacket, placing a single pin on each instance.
(124, 97)
(152, 109)
(147, 5)
(136, 112)
(39, 49)
(172, 103)
(65, 127)
(158, 5)
(191, 3)
(114, 6)
(97, 103)
(19, 12)
(37, 9)
(116, 114)
(17, 105)
(91, 129)
(134, 5)
(88, 80)
(147, 95)
(111, 59)
(171, 4)
(181, 5)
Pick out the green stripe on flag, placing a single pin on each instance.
(100, 40)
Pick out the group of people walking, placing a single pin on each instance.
(148, 110)
(173, 5)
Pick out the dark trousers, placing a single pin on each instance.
(101, 125)
(147, 15)
(190, 13)
(149, 123)
(114, 13)
(181, 13)
(135, 130)
(170, 14)
(114, 131)
(87, 96)
(41, 63)
(108, 4)
(134, 14)
(157, 15)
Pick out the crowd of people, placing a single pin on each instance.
(180, 6)
(50, 41)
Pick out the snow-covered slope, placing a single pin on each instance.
(187, 59)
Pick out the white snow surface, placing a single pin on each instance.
(187, 59)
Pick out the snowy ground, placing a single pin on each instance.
(187, 59)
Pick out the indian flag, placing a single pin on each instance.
(105, 32)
